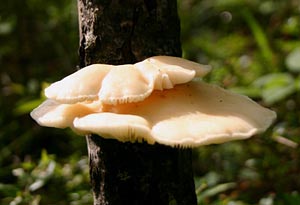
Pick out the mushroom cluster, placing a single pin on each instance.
(160, 99)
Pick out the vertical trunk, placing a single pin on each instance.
(119, 32)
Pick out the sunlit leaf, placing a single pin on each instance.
(259, 35)
(293, 60)
(273, 79)
(27, 106)
(215, 190)
(291, 26)
(273, 94)
(267, 200)
(36, 185)
(275, 86)
(6, 28)
(297, 83)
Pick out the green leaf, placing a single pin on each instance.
(297, 83)
(216, 190)
(276, 93)
(26, 107)
(8, 189)
(273, 79)
(275, 87)
(292, 61)
(259, 35)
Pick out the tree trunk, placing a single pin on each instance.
(120, 32)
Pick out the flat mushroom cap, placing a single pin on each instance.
(124, 83)
(114, 126)
(171, 64)
(80, 86)
(190, 115)
(54, 114)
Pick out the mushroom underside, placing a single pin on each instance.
(188, 115)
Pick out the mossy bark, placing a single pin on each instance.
(120, 32)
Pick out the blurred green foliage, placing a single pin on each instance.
(254, 48)
(49, 182)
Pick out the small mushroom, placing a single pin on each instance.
(123, 127)
(170, 64)
(51, 113)
(124, 83)
(80, 86)
(155, 100)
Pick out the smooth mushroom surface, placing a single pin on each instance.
(125, 128)
(124, 83)
(188, 115)
(51, 113)
(170, 64)
(80, 86)
(155, 100)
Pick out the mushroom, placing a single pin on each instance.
(80, 86)
(51, 113)
(188, 115)
(123, 127)
(124, 83)
(171, 109)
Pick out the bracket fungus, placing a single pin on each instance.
(124, 83)
(155, 100)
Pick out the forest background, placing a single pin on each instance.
(254, 49)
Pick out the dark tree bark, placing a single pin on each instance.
(127, 31)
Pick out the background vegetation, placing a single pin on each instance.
(254, 48)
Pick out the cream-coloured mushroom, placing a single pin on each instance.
(170, 64)
(124, 83)
(188, 115)
(125, 128)
(80, 86)
(54, 114)
(154, 100)
(163, 72)
(121, 127)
